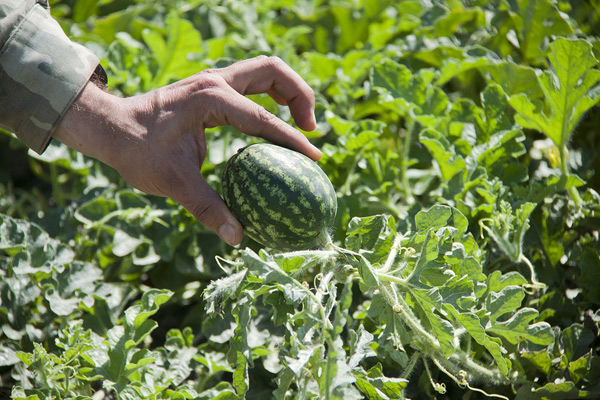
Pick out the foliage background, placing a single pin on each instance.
(473, 124)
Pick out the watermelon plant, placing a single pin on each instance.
(462, 255)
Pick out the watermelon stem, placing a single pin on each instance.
(405, 159)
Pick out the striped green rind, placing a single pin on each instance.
(281, 197)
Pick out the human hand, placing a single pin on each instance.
(156, 141)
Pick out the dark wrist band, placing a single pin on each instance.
(99, 77)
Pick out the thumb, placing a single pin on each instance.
(211, 211)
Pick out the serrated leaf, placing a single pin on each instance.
(569, 89)
(372, 236)
(514, 78)
(508, 227)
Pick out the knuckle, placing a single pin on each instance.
(208, 79)
(264, 115)
(262, 58)
(275, 63)
(309, 92)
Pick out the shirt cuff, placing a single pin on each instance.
(41, 73)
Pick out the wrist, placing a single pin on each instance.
(89, 125)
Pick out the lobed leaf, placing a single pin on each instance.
(569, 89)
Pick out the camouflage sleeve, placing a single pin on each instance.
(41, 71)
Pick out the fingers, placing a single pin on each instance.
(271, 75)
(211, 211)
(250, 118)
(209, 96)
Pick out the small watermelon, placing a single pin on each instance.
(281, 197)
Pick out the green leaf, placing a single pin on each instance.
(221, 290)
(173, 55)
(240, 374)
(429, 253)
(569, 90)
(556, 390)
(506, 300)
(514, 78)
(409, 93)
(444, 332)
(449, 162)
(494, 346)
(495, 105)
(439, 216)
(517, 328)
(589, 264)
(508, 227)
(367, 272)
(470, 322)
(538, 20)
(376, 386)
(576, 341)
(151, 300)
(360, 346)
(497, 281)
(240, 353)
(452, 67)
(371, 236)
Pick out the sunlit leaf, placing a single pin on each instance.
(569, 88)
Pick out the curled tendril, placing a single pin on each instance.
(440, 387)
(462, 374)
(408, 251)
(316, 283)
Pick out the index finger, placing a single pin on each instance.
(273, 76)
(248, 117)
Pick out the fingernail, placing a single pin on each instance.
(227, 233)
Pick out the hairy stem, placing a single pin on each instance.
(393, 253)
(411, 365)
(564, 168)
